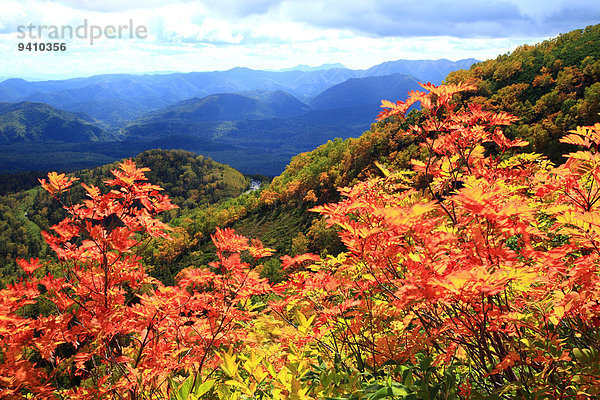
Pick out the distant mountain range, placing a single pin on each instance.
(253, 120)
(304, 67)
(116, 99)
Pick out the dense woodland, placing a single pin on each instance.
(193, 182)
(449, 252)
(552, 87)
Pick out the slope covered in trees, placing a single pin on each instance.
(552, 87)
(39, 122)
(192, 182)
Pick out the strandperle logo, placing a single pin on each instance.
(83, 31)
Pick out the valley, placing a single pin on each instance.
(253, 120)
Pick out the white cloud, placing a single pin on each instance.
(270, 34)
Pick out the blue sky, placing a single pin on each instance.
(211, 35)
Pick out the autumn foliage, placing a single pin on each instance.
(488, 271)
(473, 275)
(100, 327)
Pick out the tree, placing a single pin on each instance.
(488, 274)
(100, 327)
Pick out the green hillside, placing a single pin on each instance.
(192, 182)
(39, 122)
(553, 87)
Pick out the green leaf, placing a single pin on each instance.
(425, 364)
(183, 391)
(407, 377)
(395, 389)
(381, 394)
(400, 390)
(204, 387)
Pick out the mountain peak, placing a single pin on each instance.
(14, 82)
(306, 68)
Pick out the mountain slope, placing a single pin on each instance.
(38, 122)
(281, 103)
(365, 91)
(231, 107)
(192, 181)
(552, 87)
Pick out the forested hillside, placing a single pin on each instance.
(39, 122)
(191, 181)
(552, 87)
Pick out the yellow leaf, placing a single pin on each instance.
(229, 364)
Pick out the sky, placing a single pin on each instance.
(155, 36)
